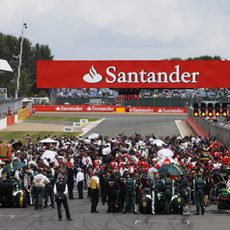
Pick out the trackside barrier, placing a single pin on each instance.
(16, 118)
(196, 128)
(74, 108)
(120, 109)
(3, 123)
(10, 120)
(107, 108)
(23, 113)
(222, 134)
(150, 109)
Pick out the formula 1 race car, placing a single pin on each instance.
(145, 206)
(176, 206)
(11, 195)
(223, 200)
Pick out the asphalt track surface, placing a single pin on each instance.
(114, 124)
(145, 124)
(28, 218)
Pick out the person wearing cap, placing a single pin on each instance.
(151, 177)
(95, 188)
(60, 191)
(80, 181)
(168, 193)
(130, 194)
(40, 182)
(199, 186)
(70, 178)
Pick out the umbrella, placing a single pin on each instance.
(16, 165)
(49, 154)
(17, 145)
(172, 169)
(165, 153)
(157, 142)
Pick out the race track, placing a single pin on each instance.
(145, 124)
(29, 219)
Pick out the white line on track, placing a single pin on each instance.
(178, 126)
(92, 125)
(169, 221)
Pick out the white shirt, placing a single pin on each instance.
(106, 151)
(80, 177)
(1, 173)
(40, 180)
(228, 184)
(84, 159)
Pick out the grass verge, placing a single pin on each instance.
(49, 118)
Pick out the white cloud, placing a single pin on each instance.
(133, 29)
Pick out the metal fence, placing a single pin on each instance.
(222, 134)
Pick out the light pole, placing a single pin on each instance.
(20, 61)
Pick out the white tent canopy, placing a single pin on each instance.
(27, 99)
(49, 141)
(4, 66)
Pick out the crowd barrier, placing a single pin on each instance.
(107, 108)
(15, 118)
(24, 113)
(3, 123)
(10, 120)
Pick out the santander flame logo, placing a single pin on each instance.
(93, 76)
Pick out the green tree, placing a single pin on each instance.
(9, 50)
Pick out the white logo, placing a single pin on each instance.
(58, 108)
(160, 110)
(89, 108)
(93, 76)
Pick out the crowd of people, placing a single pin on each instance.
(86, 93)
(120, 171)
(145, 93)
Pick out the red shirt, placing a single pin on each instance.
(226, 160)
(113, 165)
(8, 147)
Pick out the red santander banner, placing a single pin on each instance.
(106, 108)
(133, 74)
(146, 109)
(74, 108)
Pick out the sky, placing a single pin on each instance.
(122, 29)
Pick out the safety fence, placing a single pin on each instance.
(21, 114)
(222, 134)
(107, 108)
